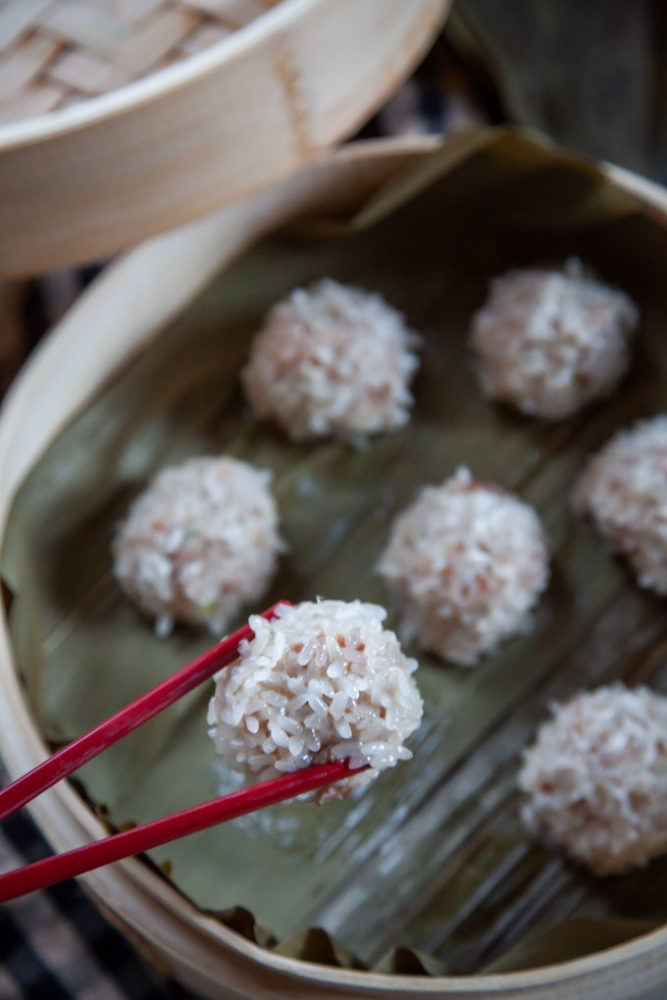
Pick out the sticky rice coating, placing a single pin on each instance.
(549, 342)
(467, 562)
(321, 682)
(624, 490)
(596, 778)
(332, 361)
(200, 543)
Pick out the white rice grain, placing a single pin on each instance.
(332, 361)
(624, 490)
(200, 543)
(596, 778)
(549, 342)
(467, 562)
(296, 711)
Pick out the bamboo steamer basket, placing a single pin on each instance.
(125, 118)
(64, 373)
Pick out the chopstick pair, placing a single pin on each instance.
(160, 831)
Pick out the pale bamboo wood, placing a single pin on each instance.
(651, 194)
(105, 173)
(123, 41)
(69, 368)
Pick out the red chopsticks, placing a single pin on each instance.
(160, 831)
(75, 754)
(142, 838)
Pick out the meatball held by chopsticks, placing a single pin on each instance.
(321, 682)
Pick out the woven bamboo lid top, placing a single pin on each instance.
(55, 53)
(120, 119)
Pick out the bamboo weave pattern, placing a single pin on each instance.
(54, 53)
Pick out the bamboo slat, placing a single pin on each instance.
(120, 120)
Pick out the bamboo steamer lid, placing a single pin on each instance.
(63, 374)
(120, 119)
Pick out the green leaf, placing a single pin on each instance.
(570, 940)
(408, 962)
(433, 852)
(315, 945)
